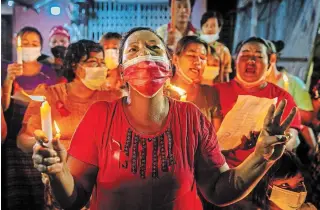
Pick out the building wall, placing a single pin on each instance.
(43, 21)
(199, 8)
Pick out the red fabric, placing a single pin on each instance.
(228, 94)
(147, 77)
(100, 139)
(62, 80)
(59, 30)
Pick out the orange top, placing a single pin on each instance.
(66, 110)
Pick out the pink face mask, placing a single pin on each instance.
(147, 74)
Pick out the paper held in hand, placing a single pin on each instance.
(247, 115)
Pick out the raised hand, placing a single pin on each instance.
(48, 160)
(171, 38)
(14, 70)
(272, 139)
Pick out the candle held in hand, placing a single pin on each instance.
(19, 50)
(46, 122)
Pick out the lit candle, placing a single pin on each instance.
(46, 123)
(183, 97)
(173, 15)
(286, 81)
(180, 91)
(57, 129)
(19, 51)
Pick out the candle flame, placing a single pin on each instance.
(285, 78)
(56, 127)
(19, 41)
(179, 90)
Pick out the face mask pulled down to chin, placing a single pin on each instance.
(286, 199)
(147, 74)
(259, 82)
(30, 54)
(95, 77)
(209, 38)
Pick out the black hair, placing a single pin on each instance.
(272, 47)
(186, 40)
(255, 39)
(286, 167)
(75, 52)
(212, 14)
(191, 3)
(126, 36)
(111, 35)
(29, 29)
(276, 46)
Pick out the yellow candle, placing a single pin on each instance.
(46, 123)
(19, 51)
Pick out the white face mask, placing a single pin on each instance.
(111, 57)
(95, 77)
(30, 53)
(185, 77)
(209, 38)
(253, 84)
(286, 199)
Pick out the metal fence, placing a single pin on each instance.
(121, 17)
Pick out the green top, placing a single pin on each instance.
(297, 89)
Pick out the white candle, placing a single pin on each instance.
(19, 51)
(46, 122)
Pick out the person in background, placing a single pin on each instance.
(110, 43)
(183, 25)
(22, 187)
(59, 40)
(147, 151)
(85, 68)
(211, 25)
(282, 187)
(244, 101)
(3, 127)
(314, 167)
(298, 90)
(25, 77)
(190, 59)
